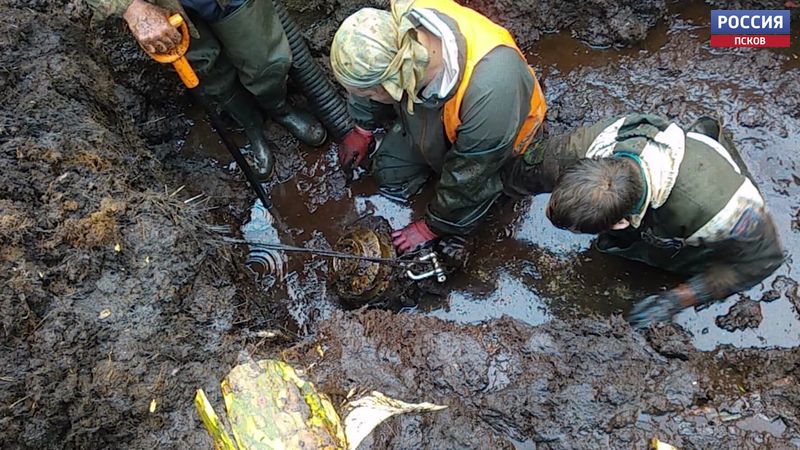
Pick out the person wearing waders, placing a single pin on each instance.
(457, 100)
(652, 192)
(241, 54)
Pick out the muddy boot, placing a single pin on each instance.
(713, 128)
(708, 126)
(300, 123)
(221, 87)
(244, 110)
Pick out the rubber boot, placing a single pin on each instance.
(713, 128)
(302, 124)
(243, 109)
(708, 126)
(253, 39)
(220, 86)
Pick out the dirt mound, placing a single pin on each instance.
(588, 383)
(601, 23)
(113, 298)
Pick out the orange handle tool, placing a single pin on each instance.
(175, 56)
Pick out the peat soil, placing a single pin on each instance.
(118, 301)
(583, 383)
(115, 300)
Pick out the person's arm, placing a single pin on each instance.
(492, 112)
(367, 114)
(750, 254)
(103, 9)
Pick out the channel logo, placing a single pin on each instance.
(756, 29)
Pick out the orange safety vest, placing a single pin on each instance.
(482, 36)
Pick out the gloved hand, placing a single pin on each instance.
(412, 236)
(150, 26)
(655, 308)
(660, 308)
(453, 252)
(354, 147)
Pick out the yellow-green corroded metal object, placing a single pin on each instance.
(270, 407)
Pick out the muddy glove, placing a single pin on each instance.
(413, 236)
(655, 308)
(661, 308)
(150, 26)
(354, 147)
(453, 252)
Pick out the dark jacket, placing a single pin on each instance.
(711, 222)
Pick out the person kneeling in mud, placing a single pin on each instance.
(671, 199)
(240, 52)
(459, 99)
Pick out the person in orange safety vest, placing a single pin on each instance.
(456, 98)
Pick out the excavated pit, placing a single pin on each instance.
(118, 301)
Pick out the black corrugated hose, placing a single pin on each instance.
(325, 99)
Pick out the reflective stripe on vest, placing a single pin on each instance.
(482, 36)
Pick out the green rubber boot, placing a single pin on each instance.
(220, 86)
(254, 41)
(243, 109)
(302, 124)
(708, 126)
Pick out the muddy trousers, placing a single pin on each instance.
(244, 55)
(399, 169)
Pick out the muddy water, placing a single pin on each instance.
(525, 268)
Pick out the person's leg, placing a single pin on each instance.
(220, 85)
(254, 41)
(399, 170)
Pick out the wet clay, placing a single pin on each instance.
(115, 301)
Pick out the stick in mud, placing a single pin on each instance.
(233, 149)
(219, 127)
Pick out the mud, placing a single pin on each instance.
(113, 295)
(585, 383)
(524, 267)
(117, 293)
(599, 23)
(744, 314)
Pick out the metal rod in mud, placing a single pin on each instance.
(326, 253)
(233, 149)
(191, 81)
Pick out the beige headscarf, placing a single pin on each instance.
(374, 47)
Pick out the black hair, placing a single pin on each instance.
(594, 194)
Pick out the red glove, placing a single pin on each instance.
(412, 236)
(354, 147)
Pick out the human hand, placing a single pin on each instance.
(150, 26)
(354, 147)
(412, 236)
